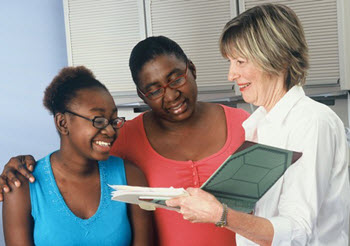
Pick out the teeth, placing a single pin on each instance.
(104, 144)
(177, 106)
(244, 86)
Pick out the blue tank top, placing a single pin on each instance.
(55, 223)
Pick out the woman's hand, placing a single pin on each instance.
(199, 207)
(23, 164)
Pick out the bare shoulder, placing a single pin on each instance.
(18, 192)
(212, 110)
(134, 174)
(224, 111)
(17, 205)
(17, 219)
(19, 197)
(210, 106)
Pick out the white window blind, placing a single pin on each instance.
(196, 26)
(101, 35)
(319, 19)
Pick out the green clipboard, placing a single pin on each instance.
(248, 174)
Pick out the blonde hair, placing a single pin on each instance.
(272, 37)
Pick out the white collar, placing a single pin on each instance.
(277, 114)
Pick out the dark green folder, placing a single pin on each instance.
(248, 174)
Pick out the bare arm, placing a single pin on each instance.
(141, 220)
(16, 215)
(254, 228)
(22, 164)
(202, 207)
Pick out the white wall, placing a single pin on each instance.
(32, 50)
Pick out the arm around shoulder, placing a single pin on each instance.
(141, 220)
(16, 215)
(16, 166)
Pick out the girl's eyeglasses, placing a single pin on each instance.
(101, 122)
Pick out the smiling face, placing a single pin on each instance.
(83, 139)
(257, 87)
(176, 104)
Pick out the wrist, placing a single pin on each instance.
(223, 218)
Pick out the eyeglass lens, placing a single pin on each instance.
(175, 83)
(101, 122)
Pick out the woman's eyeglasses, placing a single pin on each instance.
(173, 84)
(101, 122)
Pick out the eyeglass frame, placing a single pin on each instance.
(166, 86)
(110, 122)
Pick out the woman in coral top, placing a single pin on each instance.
(180, 142)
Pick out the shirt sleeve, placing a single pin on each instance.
(306, 183)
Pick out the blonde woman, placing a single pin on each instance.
(309, 205)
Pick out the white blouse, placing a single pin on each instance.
(310, 203)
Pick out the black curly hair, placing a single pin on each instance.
(65, 85)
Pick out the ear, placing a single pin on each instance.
(192, 68)
(61, 123)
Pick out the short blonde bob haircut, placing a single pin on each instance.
(272, 37)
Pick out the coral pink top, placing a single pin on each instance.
(132, 144)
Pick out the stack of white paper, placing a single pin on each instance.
(146, 197)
